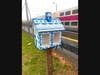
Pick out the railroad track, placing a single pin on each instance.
(71, 29)
(70, 34)
(70, 41)
(70, 48)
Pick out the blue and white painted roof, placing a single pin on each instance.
(42, 24)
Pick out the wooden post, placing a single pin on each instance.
(49, 61)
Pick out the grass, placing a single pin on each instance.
(34, 60)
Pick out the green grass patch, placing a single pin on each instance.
(34, 60)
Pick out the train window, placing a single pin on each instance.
(67, 12)
(67, 23)
(75, 11)
(62, 23)
(62, 14)
(74, 23)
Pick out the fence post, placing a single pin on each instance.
(49, 61)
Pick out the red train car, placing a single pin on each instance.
(69, 17)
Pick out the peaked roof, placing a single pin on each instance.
(41, 24)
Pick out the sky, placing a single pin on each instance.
(39, 7)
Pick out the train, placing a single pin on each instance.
(69, 18)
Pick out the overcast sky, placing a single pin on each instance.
(39, 7)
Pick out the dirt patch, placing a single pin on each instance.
(71, 69)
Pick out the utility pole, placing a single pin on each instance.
(28, 23)
(55, 14)
(26, 10)
(56, 6)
